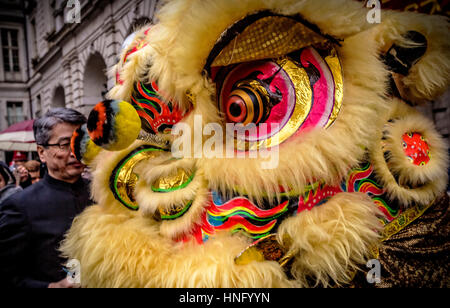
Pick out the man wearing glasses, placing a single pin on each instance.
(33, 222)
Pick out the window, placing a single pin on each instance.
(58, 13)
(33, 38)
(14, 112)
(10, 48)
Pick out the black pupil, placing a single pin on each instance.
(235, 109)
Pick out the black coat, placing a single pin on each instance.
(32, 225)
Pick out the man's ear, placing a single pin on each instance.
(40, 151)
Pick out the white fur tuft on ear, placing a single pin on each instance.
(402, 179)
(330, 241)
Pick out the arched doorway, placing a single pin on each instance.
(59, 98)
(95, 80)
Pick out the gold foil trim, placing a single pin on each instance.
(162, 140)
(173, 212)
(126, 179)
(268, 37)
(303, 104)
(172, 182)
(336, 70)
(267, 248)
(404, 219)
(191, 98)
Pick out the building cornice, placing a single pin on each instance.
(86, 10)
(46, 58)
(36, 77)
(8, 86)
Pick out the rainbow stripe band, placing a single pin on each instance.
(239, 214)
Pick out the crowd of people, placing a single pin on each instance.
(38, 201)
(20, 174)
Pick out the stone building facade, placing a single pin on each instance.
(14, 72)
(61, 61)
(69, 58)
(58, 52)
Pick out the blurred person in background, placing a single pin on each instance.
(33, 167)
(19, 159)
(8, 182)
(19, 170)
(33, 222)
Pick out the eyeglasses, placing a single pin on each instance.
(63, 146)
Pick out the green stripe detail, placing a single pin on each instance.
(149, 91)
(131, 206)
(145, 100)
(250, 216)
(175, 216)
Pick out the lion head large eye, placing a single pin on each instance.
(290, 94)
(251, 99)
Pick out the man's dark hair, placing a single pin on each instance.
(43, 126)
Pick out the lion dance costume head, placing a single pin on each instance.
(260, 144)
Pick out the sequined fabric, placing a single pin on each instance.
(418, 255)
(269, 37)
